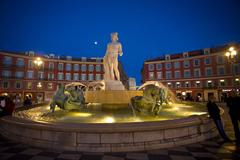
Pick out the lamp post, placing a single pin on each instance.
(38, 62)
(231, 55)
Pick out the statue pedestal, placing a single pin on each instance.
(114, 85)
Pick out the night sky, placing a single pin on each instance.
(147, 28)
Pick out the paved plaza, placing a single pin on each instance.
(207, 150)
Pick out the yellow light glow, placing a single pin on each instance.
(108, 120)
(168, 83)
(234, 53)
(227, 54)
(170, 103)
(236, 79)
(231, 48)
(197, 81)
(209, 81)
(183, 93)
(79, 114)
(222, 80)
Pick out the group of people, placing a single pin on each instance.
(232, 103)
(7, 106)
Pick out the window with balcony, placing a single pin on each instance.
(18, 85)
(178, 85)
(90, 68)
(187, 74)
(176, 65)
(7, 60)
(19, 74)
(169, 84)
(159, 66)
(60, 66)
(187, 84)
(208, 71)
(168, 66)
(168, 75)
(222, 83)
(197, 72)
(5, 85)
(150, 67)
(159, 75)
(177, 74)
(83, 68)
(209, 84)
(68, 76)
(30, 74)
(197, 84)
(151, 76)
(98, 68)
(30, 64)
(76, 67)
(68, 67)
(20, 62)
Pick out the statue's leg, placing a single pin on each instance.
(115, 66)
(112, 72)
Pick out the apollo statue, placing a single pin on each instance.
(110, 60)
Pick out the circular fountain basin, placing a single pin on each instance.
(107, 132)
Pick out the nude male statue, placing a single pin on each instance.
(110, 60)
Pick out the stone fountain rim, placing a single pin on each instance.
(106, 127)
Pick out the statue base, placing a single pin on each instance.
(114, 85)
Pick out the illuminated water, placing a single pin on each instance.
(94, 114)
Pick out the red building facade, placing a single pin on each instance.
(21, 76)
(196, 74)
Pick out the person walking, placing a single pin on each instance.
(214, 113)
(233, 102)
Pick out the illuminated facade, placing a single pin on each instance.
(38, 75)
(196, 74)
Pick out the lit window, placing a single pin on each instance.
(178, 85)
(187, 84)
(236, 82)
(150, 67)
(40, 75)
(209, 84)
(222, 83)
(39, 85)
(198, 84)
(169, 85)
(29, 85)
(30, 64)
(50, 85)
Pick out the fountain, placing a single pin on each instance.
(105, 117)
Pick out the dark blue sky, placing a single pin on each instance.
(147, 28)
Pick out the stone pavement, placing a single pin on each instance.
(213, 149)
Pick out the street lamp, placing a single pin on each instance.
(231, 55)
(38, 62)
